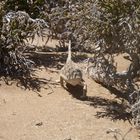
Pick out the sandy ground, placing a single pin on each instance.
(58, 115)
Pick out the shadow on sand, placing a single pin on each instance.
(54, 59)
(111, 109)
(27, 83)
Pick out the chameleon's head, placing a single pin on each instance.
(76, 74)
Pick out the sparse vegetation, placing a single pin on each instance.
(105, 28)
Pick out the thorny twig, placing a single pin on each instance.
(117, 132)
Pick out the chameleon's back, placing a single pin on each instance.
(71, 74)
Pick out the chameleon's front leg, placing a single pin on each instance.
(84, 90)
(61, 82)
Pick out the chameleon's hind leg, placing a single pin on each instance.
(84, 90)
(61, 82)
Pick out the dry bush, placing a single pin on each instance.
(114, 28)
(16, 28)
